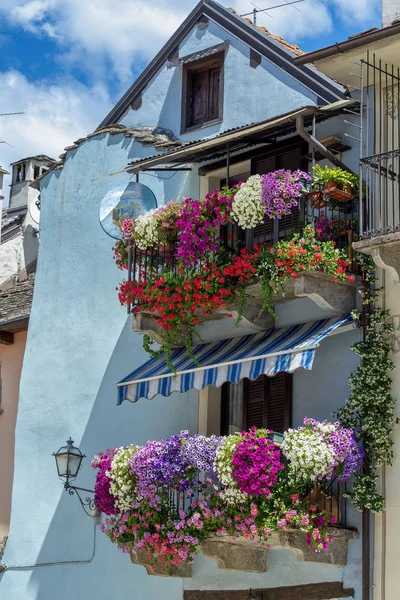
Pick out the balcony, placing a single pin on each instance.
(380, 223)
(333, 221)
(241, 554)
(380, 166)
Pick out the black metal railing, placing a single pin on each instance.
(334, 221)
(380, 148)
(381, 204)
(328, 494)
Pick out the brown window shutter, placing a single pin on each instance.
(255, 395)
(267, 402)
(291, 158)
(279, 403)
(200, 97)
(214, 93)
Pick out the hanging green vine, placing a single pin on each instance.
(370, 406)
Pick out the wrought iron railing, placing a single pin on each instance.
(380, 148)
(334, 221)
(381, 204)
(328, 494)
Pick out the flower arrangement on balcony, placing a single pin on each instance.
(182, 298)
(167, 497)
(202, 276)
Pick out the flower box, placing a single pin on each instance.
(316, 199)
(340, 195)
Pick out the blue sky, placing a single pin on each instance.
(65, 62)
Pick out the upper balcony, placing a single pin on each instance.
(380, 166)
(335, 227)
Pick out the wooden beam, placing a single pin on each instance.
(6, 337)
(314, 591)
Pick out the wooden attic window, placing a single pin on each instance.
(202, 97)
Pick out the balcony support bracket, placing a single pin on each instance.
(385, 251)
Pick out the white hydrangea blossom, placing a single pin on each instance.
(146, 230)
(123, 484)
(309, 455)
(223, 469)
(248, 209)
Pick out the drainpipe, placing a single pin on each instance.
(317, 145)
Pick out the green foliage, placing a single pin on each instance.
(341, 177)
(370, 408)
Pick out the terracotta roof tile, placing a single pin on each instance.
(291, 47)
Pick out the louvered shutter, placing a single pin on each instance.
(291, 158)
(267, 402)
(255, 403)
(279, 402)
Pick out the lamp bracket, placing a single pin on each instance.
(87, 504)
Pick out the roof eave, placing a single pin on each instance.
(347, 45)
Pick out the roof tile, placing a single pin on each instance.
(291, 47)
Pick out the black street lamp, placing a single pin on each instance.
(68, 460)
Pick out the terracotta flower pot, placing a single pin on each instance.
(316, 199)
(340, 195)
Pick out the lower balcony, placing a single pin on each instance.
(238, 553)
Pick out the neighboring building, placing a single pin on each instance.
(19, 228)
(375, 59)
(20, 220)
(224, 97)
(15, 306)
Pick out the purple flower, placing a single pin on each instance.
(281, 190)
(103, 499)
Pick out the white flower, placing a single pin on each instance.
(123, 483)
(146, 230)
(248, 209)
(309, 454)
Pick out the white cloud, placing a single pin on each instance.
(56, 114)
(124, 33)
(129, 31)
(358, 12)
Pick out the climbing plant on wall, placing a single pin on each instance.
(370, 408)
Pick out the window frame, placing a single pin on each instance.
(207, 63)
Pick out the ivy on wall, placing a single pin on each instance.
(370, 408)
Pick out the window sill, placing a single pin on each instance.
(201, 126)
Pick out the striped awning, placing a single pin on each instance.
(250, 356)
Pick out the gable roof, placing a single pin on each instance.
(259, 39)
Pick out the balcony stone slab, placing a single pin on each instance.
(239, 554)
(141, 558)
(243, 555)
(336, 297)
(385, 251)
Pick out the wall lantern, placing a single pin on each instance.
(68, 460)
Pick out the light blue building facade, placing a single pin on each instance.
(81, 342)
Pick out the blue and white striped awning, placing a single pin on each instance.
(231, 360)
